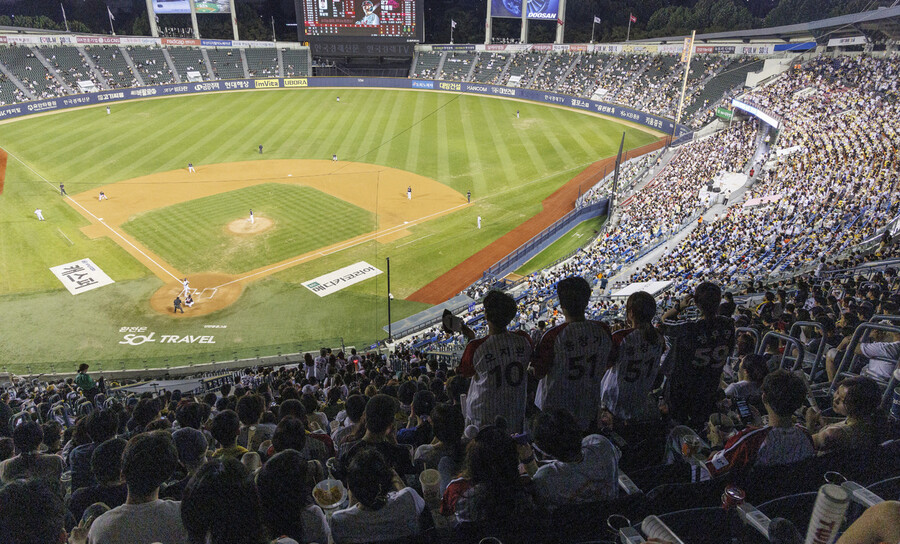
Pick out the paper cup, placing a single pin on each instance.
(431, 485)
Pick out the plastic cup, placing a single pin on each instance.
(327, 486)
(431, 485)
(827, 515)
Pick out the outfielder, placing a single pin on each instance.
(39, 214)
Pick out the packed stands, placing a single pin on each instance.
(262, 61)
(226, 63)
(152, 65)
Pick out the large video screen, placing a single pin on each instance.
(183, 7)
(391, 19)
(537, 9)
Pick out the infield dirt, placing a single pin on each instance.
(378, 189)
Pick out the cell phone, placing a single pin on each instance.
(522, 438)
(744, 411)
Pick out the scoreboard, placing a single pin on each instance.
(363, 20)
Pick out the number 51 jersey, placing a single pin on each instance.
(570, 361)
(497, 365)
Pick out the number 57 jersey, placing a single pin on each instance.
(570, 361)
(497, 364)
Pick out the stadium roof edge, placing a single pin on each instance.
(796, 30)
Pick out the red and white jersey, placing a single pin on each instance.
(631, 375)
(498, 366)
(570, 361)
(762, 446)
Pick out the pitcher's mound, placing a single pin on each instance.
(244, 226)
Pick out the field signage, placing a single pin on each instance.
(81, 276)
(337, 280)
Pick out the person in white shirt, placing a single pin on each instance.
(382, 508)
(582, 470)
(149, 460)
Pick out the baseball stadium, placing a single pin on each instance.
(630, 258)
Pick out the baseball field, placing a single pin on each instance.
(312, 216)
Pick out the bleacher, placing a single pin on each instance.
(151, 64)
(457, 66)
(226, 63)
(262, 62)
(188, 59)
(552, 71)
(731, 77)
(28, 69)
(112, 65)
(427, 63)
(489, 67)
(70, 65)
(9, 93)
(620, 72)
(524, 65)
(296, 62)
(585, 75)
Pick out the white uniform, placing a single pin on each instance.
(498, 367)
(571, 359)
(630, 379)
(321, 363)
(479, 221)
(186, 287)
(102, 196)
(409, 193)
(39, 214)
(251, 217)
(107, 110)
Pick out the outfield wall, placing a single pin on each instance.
(681, 133)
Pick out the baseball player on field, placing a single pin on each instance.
(570, 358)
(186, 287)
(497, 364)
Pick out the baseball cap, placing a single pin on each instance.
(191, 445)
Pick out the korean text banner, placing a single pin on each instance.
(345, 277)
(537, 9)
(81, 276)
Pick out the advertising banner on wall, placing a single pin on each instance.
(81, 276)
(214, 6)
(171, 7)
(345, 277)
(546, 10)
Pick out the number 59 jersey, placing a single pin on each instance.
(497, 365)
(570, 361)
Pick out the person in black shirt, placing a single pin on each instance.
(698, 351)
(379, 413)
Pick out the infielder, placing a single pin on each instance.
(468, 197)
(570, 359)
(102, 196)
(190, 167)
(498, 365)
(409, 193)
(334, 158)
(39, 214)
(260, 149)
(251, 217)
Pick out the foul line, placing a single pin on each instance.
(344, 245)
(48, 182)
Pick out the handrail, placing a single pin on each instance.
(820, 352)
(801, 350)
(860, 335)
(752, 332)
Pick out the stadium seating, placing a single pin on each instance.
(188, 59)
(489, 67)
(152, 65)
(28, 69)
(112, 65)
(70, 65)
(226, 63)
(262, 61)
(585, 75)
(427, 63)
(524, 66)
(296, 62)
(457, 66)
(9, 93)
(553, 70)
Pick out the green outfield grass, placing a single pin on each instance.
(466, 142)
(578, 237)
(192, 236)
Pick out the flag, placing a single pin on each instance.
(452, 23)
(111, 16)
(596, 20)
(632, 18)
(559, 22)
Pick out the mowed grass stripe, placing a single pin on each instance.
(193, 237)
